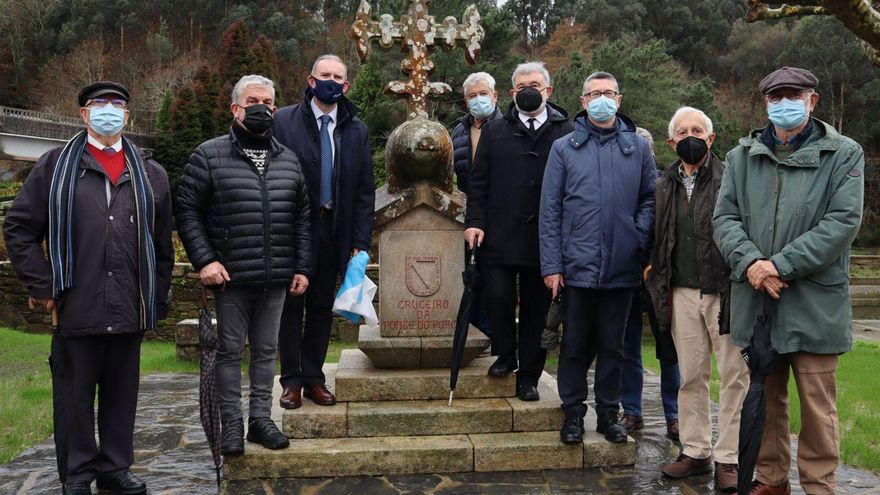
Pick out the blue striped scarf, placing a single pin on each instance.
(61, 218)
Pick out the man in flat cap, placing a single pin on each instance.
(103, 208)
(789, 207)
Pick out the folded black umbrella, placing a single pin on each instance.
(472, 281)
(550, 335)
(60, 428)
(760, 357)
(209, 404)
(664, 345)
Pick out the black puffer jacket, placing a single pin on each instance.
(256, 225)
(461, 144)
(714, 271)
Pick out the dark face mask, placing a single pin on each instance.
(327, 91)
(692, 150)
(528, 99)
(257, 118)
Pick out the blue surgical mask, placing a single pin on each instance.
(107, 120)
(787, 114)
(481, 106)
(602, 109)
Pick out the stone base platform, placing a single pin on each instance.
(374, 433)
(417, 352)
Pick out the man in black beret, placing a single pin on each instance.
(789, 207)
(103, 208)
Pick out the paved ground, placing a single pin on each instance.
(173, 458)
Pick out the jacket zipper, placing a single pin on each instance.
(266, 226)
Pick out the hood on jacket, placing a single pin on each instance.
(626, 130)
(824, 138)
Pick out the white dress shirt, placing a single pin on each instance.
(539, 119)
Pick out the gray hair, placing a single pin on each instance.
(641, 131)
(681, 112)
(530, 68)
(476, 78)
(332, 57)
(599, 75)
(251, 79)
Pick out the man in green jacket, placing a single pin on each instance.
(789, 207)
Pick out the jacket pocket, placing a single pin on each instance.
(831, 276)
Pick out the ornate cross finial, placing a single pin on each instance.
(419, 33)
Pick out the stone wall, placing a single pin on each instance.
(14, 311)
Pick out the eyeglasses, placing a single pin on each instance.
(595, 94)
(100, 102)
(535, 86)
(791, 95)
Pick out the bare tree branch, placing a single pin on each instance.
(861, 17)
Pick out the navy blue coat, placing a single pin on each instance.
(597, 207)
(354, 189)
(461, 144)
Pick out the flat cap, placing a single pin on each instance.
(788, 77)
(97, 89)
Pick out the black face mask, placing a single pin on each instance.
(528, 99)
(257, 118)
(692, 150)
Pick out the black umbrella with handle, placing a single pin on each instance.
(209, 405)
(469, 303)
(760, 357)
(57, 364)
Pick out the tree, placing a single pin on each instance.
(862, 17)
(183, 136)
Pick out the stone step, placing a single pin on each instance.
(417, 352)
(489, 452)
(420, 417)
(324, 457)
(357, 380)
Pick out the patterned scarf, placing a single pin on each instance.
(61, 218)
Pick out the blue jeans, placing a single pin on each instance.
(631, 377)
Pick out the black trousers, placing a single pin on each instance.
(595, 322)
(303, 348)
(534, 300)
(110, 363)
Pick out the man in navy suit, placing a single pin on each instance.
(333, 147)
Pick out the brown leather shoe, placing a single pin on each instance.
(759, 488)
(685, 466)
(319, 395)
(672, 429)
(726, 477)
(291, 398)
(632, 422)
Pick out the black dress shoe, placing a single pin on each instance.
(77, 488)
(528, 393)
(607, 425)
(232, 438)
(123, 482)
(572, 431)
(503, 366)
(264, 432)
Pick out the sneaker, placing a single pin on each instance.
(686, 466)
(232, 438)
(264, 432)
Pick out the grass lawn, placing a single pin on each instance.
(858, 402)
(26, 384)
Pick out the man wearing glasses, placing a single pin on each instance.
(789, 207)
(597, 209)
(333, 146)
(103, 207)
(502, 218)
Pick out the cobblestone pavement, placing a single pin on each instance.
(173, 458)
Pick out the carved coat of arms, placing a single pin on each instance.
(423, 274)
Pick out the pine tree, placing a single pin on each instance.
(214, 116)
(264, 62)
(186, 133)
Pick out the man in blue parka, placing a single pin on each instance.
(597, 209)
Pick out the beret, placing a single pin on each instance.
(788, 77)
(97, 89)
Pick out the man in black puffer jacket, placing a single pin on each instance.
(243, 216)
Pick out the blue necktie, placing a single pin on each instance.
(326, 162)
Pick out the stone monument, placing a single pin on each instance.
(391, 417)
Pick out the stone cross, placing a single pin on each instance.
(419, 33)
